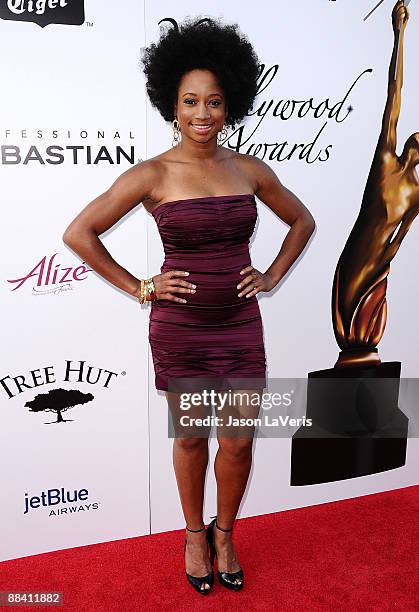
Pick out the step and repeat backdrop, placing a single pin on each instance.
(84, 443)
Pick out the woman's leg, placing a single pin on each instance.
(190, 460)
(232, 467)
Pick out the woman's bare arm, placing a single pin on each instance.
(82, 235)
(289, 208)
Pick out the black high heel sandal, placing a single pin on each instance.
(198, 581)
(227, 579)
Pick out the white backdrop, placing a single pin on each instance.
(81, 80)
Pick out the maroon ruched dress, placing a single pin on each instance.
(215, 335)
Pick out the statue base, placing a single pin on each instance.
(357, 428)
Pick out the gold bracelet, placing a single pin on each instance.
(147, 291)
(151, 290)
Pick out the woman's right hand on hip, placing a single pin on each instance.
(169, 283)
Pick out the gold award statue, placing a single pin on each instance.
(389, 206)
(357, 427)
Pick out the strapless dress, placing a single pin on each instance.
(215, 335)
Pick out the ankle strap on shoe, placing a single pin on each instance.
(220, 528)
(195, 530)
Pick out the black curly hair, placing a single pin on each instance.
(202, 43)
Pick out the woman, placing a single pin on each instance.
(205, 320)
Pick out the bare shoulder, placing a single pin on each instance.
(259, 173)
(165, 157)
(140, 178)
(139, 182)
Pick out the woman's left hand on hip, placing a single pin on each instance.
(254, 282)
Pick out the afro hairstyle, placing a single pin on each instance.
(201, 43)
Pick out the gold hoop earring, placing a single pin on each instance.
(176, 132)
(222, 135)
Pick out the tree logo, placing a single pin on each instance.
(58, 401)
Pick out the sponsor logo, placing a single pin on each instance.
(49, 277)
(58, 400)
(44, 12)
(72, 501)
(53, 147)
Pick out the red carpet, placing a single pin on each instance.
(354, 555)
